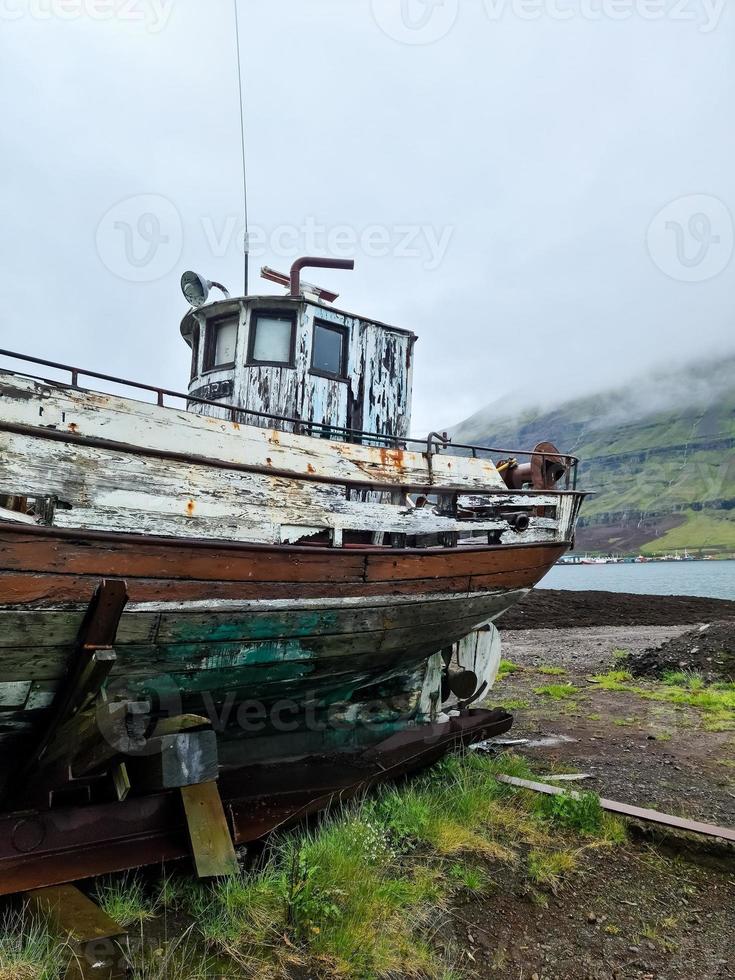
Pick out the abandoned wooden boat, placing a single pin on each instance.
(271, 572)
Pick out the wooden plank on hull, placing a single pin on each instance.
(475, 562)
(112, 419)
(201, 636)
(46, 589)
(125, 492)
(128, 557)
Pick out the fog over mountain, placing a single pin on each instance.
(703, 383)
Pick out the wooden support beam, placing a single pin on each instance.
(211, 841)
(89, 932)
(93, 663)
(175, 761)
(94, 659)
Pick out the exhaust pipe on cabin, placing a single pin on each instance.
(311, 262)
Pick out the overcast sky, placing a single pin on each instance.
(542, 190)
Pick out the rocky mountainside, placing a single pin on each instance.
(658, 452)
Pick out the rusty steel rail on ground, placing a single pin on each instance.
(433, 444)
(626, 810)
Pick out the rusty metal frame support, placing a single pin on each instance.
(626, 810)
(52, 847)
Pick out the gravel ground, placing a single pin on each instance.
(661, 908)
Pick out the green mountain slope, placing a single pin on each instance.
(659, 454)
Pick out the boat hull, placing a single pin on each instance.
(286, 650)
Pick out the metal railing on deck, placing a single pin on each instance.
(433, 444)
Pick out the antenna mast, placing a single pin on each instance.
(242, 142)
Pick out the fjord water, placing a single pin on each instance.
(713, 579)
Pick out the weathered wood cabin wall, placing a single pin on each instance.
(374, 394)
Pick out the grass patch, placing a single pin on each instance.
(125, 900)
(470, 879)
(681, 689)
(27, 949)
(690, 679)
(508, 667)
(614, 680)
(575, 811)
(360, 895)
(557, 692)
(700, 530)
(551, 671)
(620, 656)
(548, 868)
(181, 959)
(515, 704)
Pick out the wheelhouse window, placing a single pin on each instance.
(272, 339)
(329, 350)
(219, 350)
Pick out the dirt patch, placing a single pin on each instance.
(633, 914)
(639, 751)
(708, 650)
(560, 609)
(648, 911)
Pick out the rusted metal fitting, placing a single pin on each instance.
(519, 522)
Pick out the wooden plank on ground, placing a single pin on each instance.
(76, 917)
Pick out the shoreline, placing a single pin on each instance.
(569, 609)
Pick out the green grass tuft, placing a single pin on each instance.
(558, 692)
(574, 811)
(508, 667)
(614, 680)
(716, 702)
(515, 704)
(691, 680)
(551, 671)
(125, 900)
(28, 951)
(548, 868)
